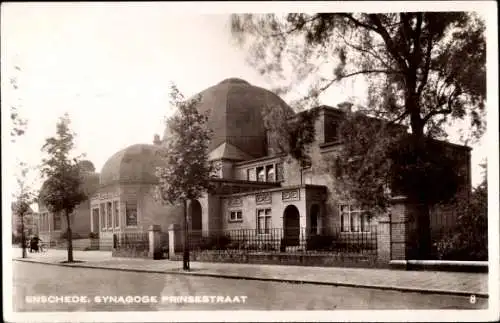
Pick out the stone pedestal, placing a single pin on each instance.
(384, 239)
(155, 251)
(174, 239)
(403, 217)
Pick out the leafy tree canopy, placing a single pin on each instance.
(63, 189)
(187, 170)
(423, 69)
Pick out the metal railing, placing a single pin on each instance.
(285, 240)
(131, 240)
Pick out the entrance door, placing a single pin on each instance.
(195, 233)
(291, 225)
(313, 223)
(196, 216)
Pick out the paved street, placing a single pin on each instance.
(456, 283)
(31, 279)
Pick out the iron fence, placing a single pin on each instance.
(138, 241)
(289, 241)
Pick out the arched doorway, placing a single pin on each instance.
(314, 219)
(291, 225)
(196, 222)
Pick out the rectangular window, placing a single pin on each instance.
(116, 214)
(264, 221)
(95, 219)
(365, 222)
(109, 215)
(57, 221)
(236, 216)
(131, 215)
(344, 218)
(103, 217)
(354, 219)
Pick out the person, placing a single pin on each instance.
(34, 244)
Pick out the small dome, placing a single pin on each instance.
(134, 164)
(86, 166)
(236, 115)
(90, 184)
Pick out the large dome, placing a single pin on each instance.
(134, 164)
(236, 110)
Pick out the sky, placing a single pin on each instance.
(109, 66)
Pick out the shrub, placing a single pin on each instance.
(236, 245)
(94, 235)
(215, 242)
(470, 239)
(320, 242)
(74, 235)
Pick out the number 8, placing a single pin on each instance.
(473, 299)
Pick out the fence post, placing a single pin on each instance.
(384, 239)
(174, 240)
(403, 215)
(154, 242)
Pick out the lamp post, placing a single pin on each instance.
(185, 257)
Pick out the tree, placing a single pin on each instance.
(187, 171)
(22, 203)
(19, 124)
(424, 71)
(62, 191)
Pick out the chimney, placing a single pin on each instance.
(157, 140)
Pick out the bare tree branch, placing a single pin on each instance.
(425, 77)
(330, 83)
(388, 41)
(368, 51)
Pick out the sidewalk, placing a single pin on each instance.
(454, 283)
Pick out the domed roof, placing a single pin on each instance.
(86, 166)
(136, 164)
(235, 116)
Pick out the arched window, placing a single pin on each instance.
(261, 174)
(270, 173)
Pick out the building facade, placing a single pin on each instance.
(255, 189)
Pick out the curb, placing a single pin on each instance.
(292, 281)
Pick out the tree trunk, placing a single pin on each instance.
(23, 238)
(69, 237)
(423, 244)
(185, 256)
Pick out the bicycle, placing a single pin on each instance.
(43, 247)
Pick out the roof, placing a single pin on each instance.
(136, 163)
(228, 151)
(235, 115)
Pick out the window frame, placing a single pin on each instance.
(354, 211)
(133, 208)
(236, 212)
(258, 171)
(265, 216)
(116, 213)
(102, 217)
(55, 216)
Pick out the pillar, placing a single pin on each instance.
(174, 239)
(402, 226)
(155, 251)
(384, 239)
